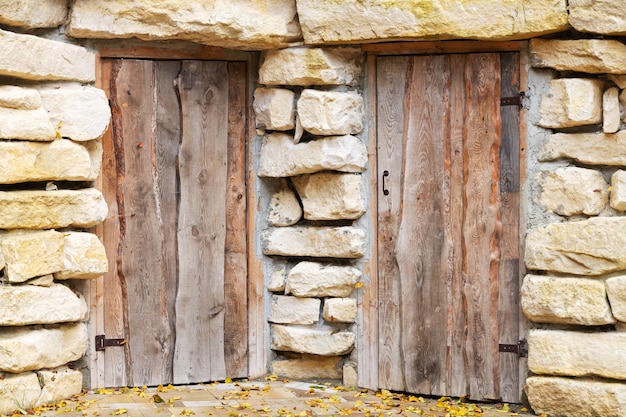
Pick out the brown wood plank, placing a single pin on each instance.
(438, 47)
(482, 228)
(200, 305)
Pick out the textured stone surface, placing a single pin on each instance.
(294, 310)
(588, 148)
(571, 353)
(326, 242)
(275, 108)
(84, 257)
(280, 157)
(565, 300)
(18, 390)
(59, 384)
(278, 278)
(30, 348)
(284, 209)
(33, 58)
(80, 112)
(311, 340)
(622, 102)
(610, 111)
(30, 253)
(14, 97)
(33, 14)
(593, 56)
(567, 397)
(26, 124)
(42, 281)
(619, 80)
(353, 21)
(618, 190)
(587, 247)
(22, 161)
(331, 196)
(571, 190)
(313, 279)
(571, 102)
(607, 17)
(331, 112)
(263, 24)
(616, 291)
(307, 367)
(30, 304)
(312, 66)
(340, 310)
(51, 209)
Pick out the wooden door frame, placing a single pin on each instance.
(93, 290)
(367, 354)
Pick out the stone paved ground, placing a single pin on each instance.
(266, 398)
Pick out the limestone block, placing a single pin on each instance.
(587, 247)
(51, 209)
(588, 148)
(331, 112)
(610, 111)
(619, 80)
(593, 56)
(565, 300)
(263, 24)
(313, 279)
(80, 112)
(34, 58)
(278, 278)
(308, 367)
(59, 160)
(30, 253)
(350, 375)
(84, 257)
(26, 124)
(325, 242)
(331, 196)
(275, 108)
(312, 66)
(356, 21)
(571, 353)
(284, 207)
(42, 281)
(31, 304)
(59, 384)
(572, 190)
(575, 397)
(616, 291)
(30, 348)
(571, 102)
(311, 340)
(607, 17)
(33, 14)
(341, 310)
(294, 310)
(280, 157)
(18, 391)
(14, 97)
(618, 190)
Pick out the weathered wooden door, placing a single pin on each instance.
(448, 224)
(174, 179)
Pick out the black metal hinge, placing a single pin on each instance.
(520, 348)
(102, 342)
(513, 101)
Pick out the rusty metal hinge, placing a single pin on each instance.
(102, 342)
(520, 348)
(513, 101)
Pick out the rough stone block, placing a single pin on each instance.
(592, 56)
(42, 281)
(18, 391)
(571, 353)
(356, 21)
(26, 125)
(607, 17)
(610, 111)
(275, 108)
(84, 257)
(29, 253)
(616, 291)
(294, 310)
(618, 190)
(284, 209)
(313, 279)
(278, 278)
(331, 112)
(34, 58)
(565, 300)
(571, 102)
(312, 66)
(341, 310)
(14, 97)
(33, 14)
(325, 242)
(51, 209)
(311, 340)
(308, 367)
(331, 196)
(81, 112)
(59, 384)
(587, 247)
(588, 148)
(572, 190)
(280, 157)
(30, 348)
(59, 160)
